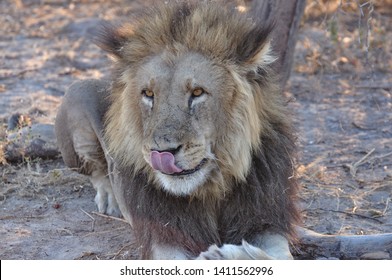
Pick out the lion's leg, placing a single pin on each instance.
(92, 162)
(269, 246)
(105, 200)
(79, 136)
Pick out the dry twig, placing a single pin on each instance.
(110, 217)
(91, 217)
(354, 167)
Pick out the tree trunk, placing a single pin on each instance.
(287, 16)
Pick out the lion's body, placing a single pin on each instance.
(196, 137)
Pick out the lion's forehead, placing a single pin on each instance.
(182, 73)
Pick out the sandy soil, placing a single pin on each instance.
(340, 92)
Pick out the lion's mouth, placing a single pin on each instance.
(190, 171)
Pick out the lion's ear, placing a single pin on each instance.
(112, 38)
(255, 50)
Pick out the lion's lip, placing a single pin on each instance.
(190, 171)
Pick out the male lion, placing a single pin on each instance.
(192, 132)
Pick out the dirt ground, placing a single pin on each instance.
(340, 91)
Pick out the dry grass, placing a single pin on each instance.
(356, 31)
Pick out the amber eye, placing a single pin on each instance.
(148, 93)
(198, 92)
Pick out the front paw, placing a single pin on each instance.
(112, 208)
(234, 252)
(107, 204)
(213, 253)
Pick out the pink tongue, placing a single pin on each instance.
(164, 162)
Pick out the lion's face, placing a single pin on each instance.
(183, 102)
(191, 97)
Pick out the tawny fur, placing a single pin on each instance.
(249, 189)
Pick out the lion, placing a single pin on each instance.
(190, 140)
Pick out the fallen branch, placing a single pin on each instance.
(37, 141)
(313, 245)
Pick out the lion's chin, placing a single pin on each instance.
(183, 185)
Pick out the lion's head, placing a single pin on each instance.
(193, 96)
